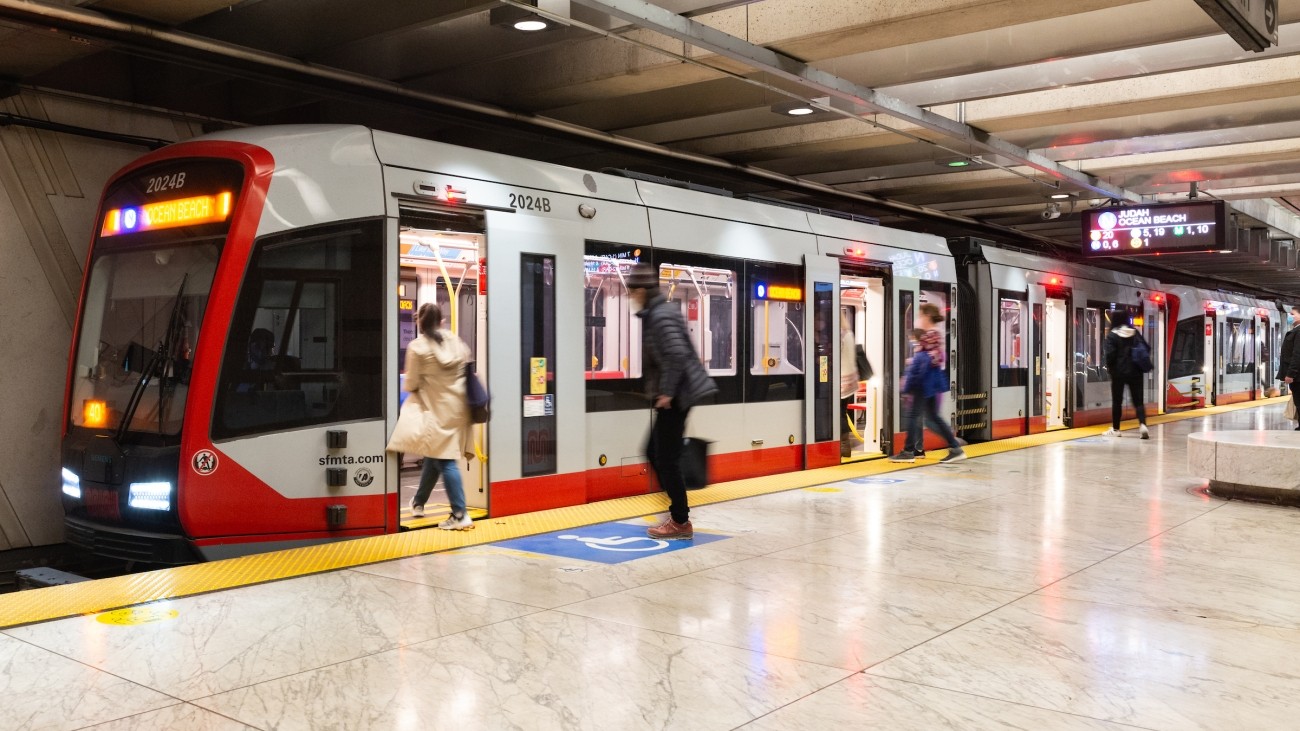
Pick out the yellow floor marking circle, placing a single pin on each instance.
(137, 615)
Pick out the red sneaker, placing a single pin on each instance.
(672, 531)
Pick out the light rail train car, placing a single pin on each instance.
(248, 296)
(1041, 329)
(1224, 347)
(1042, 324)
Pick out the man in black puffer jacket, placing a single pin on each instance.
(675, 380)
(1288, 367)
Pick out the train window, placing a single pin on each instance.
(1187, 356)
(1241, 346)
(140, 303)
(937, 294)
(306, 340)
(778, 337)
(1092, 355)
(906, 314)
(704, 288)
(1012, 322)
(777, 347)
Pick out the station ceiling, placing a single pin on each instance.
(1092, 99)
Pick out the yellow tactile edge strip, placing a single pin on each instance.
(39, 605)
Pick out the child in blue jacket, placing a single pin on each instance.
(923, 383)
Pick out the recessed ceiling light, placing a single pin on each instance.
(799, 111)
(530, 24)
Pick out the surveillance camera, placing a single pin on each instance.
(1051, 212)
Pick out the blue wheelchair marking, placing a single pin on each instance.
(605, 543)
(877, 480)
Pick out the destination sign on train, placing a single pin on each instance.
(167, 214)
(1155, 229)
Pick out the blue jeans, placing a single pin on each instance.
(923, 409)
(450, 474)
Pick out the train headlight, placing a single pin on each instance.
(71, 484)
(150, 495)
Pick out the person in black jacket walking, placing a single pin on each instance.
(675, 380)
(1288, 366)
(1118, 350)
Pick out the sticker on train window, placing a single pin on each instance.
(530, 203)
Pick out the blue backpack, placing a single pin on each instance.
(1140, 354)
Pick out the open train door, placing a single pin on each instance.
(822, 405)
(1051, 361)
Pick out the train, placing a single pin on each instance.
(248, 297)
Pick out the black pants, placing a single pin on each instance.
(1117, 384)
(664, 451)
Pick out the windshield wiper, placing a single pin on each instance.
(155, 365)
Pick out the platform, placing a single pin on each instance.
(1085, 583)
(1254, 465)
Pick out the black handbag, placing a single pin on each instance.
(864, 367)
(695, 463)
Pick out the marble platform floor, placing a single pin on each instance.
(1090, 584)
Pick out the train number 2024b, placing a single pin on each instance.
(165, 182)
(529, 203)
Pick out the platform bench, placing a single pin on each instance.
(1254, 465)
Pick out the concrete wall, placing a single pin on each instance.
(49, 186)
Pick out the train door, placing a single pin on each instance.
(1263, 359)
(439, 255)
(866, 412)
(822, 410)
(539, 423)
(1159, 349)
(1049, 407)
(1213, 358)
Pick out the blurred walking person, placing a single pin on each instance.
(675, 381)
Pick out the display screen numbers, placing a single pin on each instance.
(1193, 226)
(530, 203)
(165, 182)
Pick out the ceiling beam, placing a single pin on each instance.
(847, 97)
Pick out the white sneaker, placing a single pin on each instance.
(1143, 431)
(417, 511)
(453, 523)
(1110, 433)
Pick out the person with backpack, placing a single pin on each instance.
(923, 384)
(1128, 359)
(675, 381)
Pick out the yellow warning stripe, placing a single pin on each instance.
(90, 597)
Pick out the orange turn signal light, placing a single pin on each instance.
(95, 413)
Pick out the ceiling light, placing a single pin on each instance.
(957, 163)
(802, 108)
(1059, 196)
(550, 14)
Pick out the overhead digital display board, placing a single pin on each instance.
(1163, 228)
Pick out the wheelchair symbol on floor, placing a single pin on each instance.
(615, 543)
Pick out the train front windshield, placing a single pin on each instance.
(151, 271)
(140, 321)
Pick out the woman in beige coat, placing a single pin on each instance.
(435, 376)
